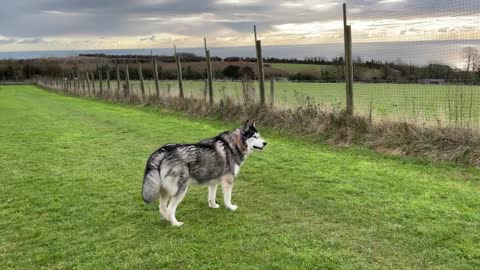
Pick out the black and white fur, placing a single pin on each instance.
(211, 162)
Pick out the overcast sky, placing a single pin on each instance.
(120, 24)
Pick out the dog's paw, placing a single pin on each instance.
(163, 215)
(232, 207)
(213, 205)
(177, 224)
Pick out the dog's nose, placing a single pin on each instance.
(264, 143)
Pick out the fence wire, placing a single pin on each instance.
(415, 65)
(430, 71)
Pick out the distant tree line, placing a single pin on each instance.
(186, 57)
(332, 69)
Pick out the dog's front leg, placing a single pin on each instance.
(212, 194)
(227, 186)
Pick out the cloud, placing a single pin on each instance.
(7, 41)
(292, 4)
(32, 41)
(238, 2)
(391, 1)
(58, 24)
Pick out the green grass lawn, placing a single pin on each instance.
(71, 174)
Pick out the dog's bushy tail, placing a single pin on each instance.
(151, 177)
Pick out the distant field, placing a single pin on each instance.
(295, 68)
(447, 104)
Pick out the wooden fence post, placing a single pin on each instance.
(65, 82)
(210, 80)
(345, 42)
(155, 75)
(94, 87)
(70, 83)
(117, 69)
(100, 78)
(77, 82)
(209, 73)
(272, 92)
(88, 83)
(140, 76)
(350, 72)
(70, 88)
(108, 78)
(179, 74)
(74, 83)
(65, 79)
(127, 81)
(348, 63)
(261, 76)
(83, 83)
(205, 90)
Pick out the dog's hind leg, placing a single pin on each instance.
(163, 203)
(173, 204)
(212, 194)
(227, 186)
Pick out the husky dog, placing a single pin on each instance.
(171, 169)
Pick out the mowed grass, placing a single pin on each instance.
(71, 174)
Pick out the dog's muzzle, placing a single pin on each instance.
(260, 148)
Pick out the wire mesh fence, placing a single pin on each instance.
(419, 67)
(423, 62)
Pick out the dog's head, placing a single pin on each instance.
(252, 137)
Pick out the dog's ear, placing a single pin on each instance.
(252, 124)
(247, 125)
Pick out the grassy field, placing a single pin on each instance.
(71, 170)
(309, 68)
(446, 104)
(363, 72)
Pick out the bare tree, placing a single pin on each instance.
(472, 58)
